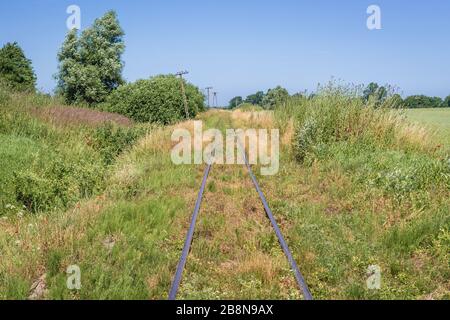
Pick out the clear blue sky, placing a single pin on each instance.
(243, 46)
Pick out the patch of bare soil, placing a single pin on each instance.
(72, 115)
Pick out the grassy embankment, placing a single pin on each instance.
(51, 159)
(371, 189)
(359, 199)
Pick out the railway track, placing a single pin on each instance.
(303, 286)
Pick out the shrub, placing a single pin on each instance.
(255, 99)
(235, 102)
(275, 97)
(111, 140)
(339, 114)
(157, 100)
(395, 102)
(330, 117)
(305, 138)
(57, 180)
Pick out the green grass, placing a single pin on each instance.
(438, 119)
(370, 188)
(46, 167)
(339, 223)
(139, 214)
(370, 191)
(15, 153)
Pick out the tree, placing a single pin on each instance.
(299, 95)
(374, 92)
(422, 101)
(235, 102)
(69, 64)
(15, 69)
(395, 101)
(447, 102)
(255, 99)
(275, 97)
(370, 90)
(158, 99)
(90, 66)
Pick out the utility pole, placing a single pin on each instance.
(183, 92)
(215, 103)
(207, 90)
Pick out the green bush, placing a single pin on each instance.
(56, 181)
(56, 175)
(111, 140)
(275, 97)
(256, 99)
(339, 114)
(329, 117)
(156, 100)
(16, 153)
(306, 136)
(235, 102)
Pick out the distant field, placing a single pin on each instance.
(435, 118)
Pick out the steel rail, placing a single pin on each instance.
(298, 275)
(187, 245)
(188, 242)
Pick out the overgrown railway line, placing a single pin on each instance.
(303, 286)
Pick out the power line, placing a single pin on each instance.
(207, 90)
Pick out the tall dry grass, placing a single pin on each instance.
(337, 114)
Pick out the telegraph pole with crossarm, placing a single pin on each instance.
(183, 92)
(208, 91)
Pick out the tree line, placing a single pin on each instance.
(268, 100)
(381, 93)
(373, 93)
